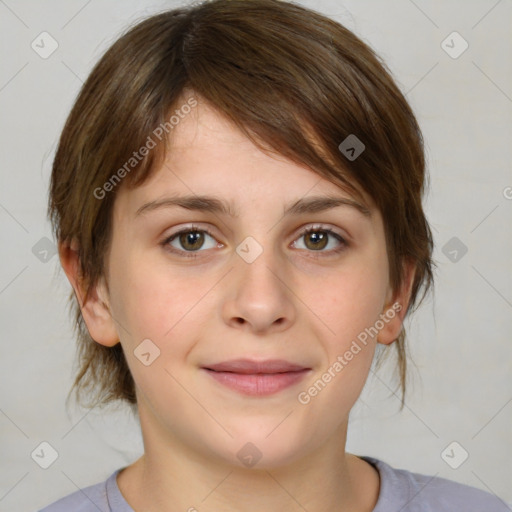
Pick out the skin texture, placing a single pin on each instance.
(293, 302)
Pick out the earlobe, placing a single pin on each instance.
(96, 310)
(395, 309)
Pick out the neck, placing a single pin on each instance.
(174, 476)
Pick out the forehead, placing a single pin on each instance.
(209, 154)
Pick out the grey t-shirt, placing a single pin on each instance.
(400, 491)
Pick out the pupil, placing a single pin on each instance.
(192, 240)
(318, 239)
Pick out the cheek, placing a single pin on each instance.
(348, 303)
(349, 307)
(150, 299)
(156, 307)
(349, 300)
(168, 308)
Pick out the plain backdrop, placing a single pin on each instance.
(459, 402)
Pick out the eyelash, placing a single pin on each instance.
(314, 229)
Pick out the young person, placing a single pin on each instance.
(237, 198)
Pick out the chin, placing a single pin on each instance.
(253, 448)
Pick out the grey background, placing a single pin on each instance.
(461, 388)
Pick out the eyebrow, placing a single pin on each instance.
(217, 206)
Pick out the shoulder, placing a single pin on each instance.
(95, 498)
(415, 492)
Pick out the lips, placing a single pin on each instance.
(257, 378)
(247, 366)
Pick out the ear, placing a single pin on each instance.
(95, 311)
(395, 308)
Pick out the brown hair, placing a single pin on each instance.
(292, 80)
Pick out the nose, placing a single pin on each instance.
(258, 298)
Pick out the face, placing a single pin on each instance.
(249, 277)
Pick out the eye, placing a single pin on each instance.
(317, 239)
(190, 240)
